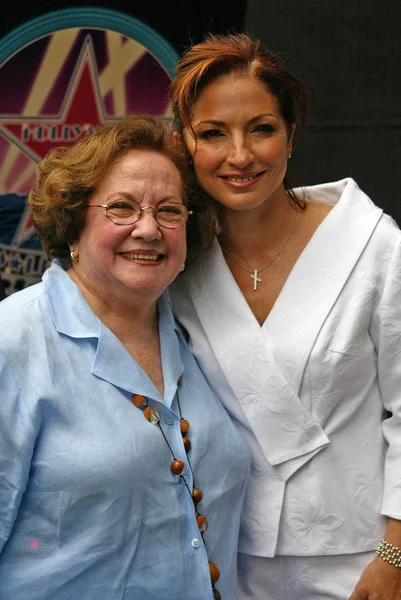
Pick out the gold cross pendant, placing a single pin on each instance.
(256, 279)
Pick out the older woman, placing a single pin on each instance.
(293, 307)
(122, 476)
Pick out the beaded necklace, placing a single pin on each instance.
(177, 468)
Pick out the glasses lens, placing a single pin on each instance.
(171, 215)
(123, 212)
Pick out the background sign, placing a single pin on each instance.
(61, 76)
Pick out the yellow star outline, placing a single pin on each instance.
(122, 54)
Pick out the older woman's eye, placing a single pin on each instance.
(175, 209)
(121, 207)
(121, 204)
(171, 213)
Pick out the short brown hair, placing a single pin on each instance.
(220, 55)
(67, 177)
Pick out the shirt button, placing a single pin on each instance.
(169, 421)
(195, 543)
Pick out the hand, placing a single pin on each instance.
(379, 581)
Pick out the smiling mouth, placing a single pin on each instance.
(140, 256)
(247, 179)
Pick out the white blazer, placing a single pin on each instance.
(315, 391)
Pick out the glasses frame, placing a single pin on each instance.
(140, 211)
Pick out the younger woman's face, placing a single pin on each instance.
(241, 147)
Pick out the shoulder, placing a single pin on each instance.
(22, 316)
(386, 235)
(20, 305)
(389, 229)
(345, 192)
(353, 204)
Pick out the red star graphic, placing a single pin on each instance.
(81, 113)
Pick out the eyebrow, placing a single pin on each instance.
(129, 196)
(222, 123)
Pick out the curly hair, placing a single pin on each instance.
(216, 56)
(67, 177)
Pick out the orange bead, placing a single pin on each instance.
(177, 466)
(187, 443)
(139, 401)
(152, 415)
(202, 523)
(179, 380)
(216, 594)
(197, 495)
(214, 572)
(184, 426)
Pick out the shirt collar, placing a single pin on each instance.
(72, 316)
(70, 312)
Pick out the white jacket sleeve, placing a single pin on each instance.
(386, 332)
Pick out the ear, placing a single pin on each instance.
(177, 139)
(290, 137)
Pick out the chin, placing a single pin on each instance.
(237, 204)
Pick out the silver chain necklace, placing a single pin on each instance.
(255, 272)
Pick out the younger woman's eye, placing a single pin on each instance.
(210, 134)
(264, 128)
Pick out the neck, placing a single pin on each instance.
(254, 234)
(122, 315)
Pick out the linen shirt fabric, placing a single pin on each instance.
(89, 508)
(315, 391)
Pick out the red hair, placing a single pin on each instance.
(220, 55)
(217, 56)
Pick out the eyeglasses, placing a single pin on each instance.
(128, 212)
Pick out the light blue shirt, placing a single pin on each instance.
(89, 509)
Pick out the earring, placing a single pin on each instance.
(73, 257)
(182, 268)
(289, 155)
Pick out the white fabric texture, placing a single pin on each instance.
(315, 391)
(300, 577)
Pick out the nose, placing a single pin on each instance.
(146, 227)
(240, 153)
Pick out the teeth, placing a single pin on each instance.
(241, 179)
(132, 255)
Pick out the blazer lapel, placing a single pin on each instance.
(319, 275)
(282, 425)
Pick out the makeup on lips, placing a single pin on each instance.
(242, 181)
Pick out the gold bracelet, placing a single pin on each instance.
(389, 553)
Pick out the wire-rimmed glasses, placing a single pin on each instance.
(124, 211)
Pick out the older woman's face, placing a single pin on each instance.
(116, 261)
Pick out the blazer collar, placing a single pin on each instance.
(248, 363)
(265, 379)
(320, 273)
